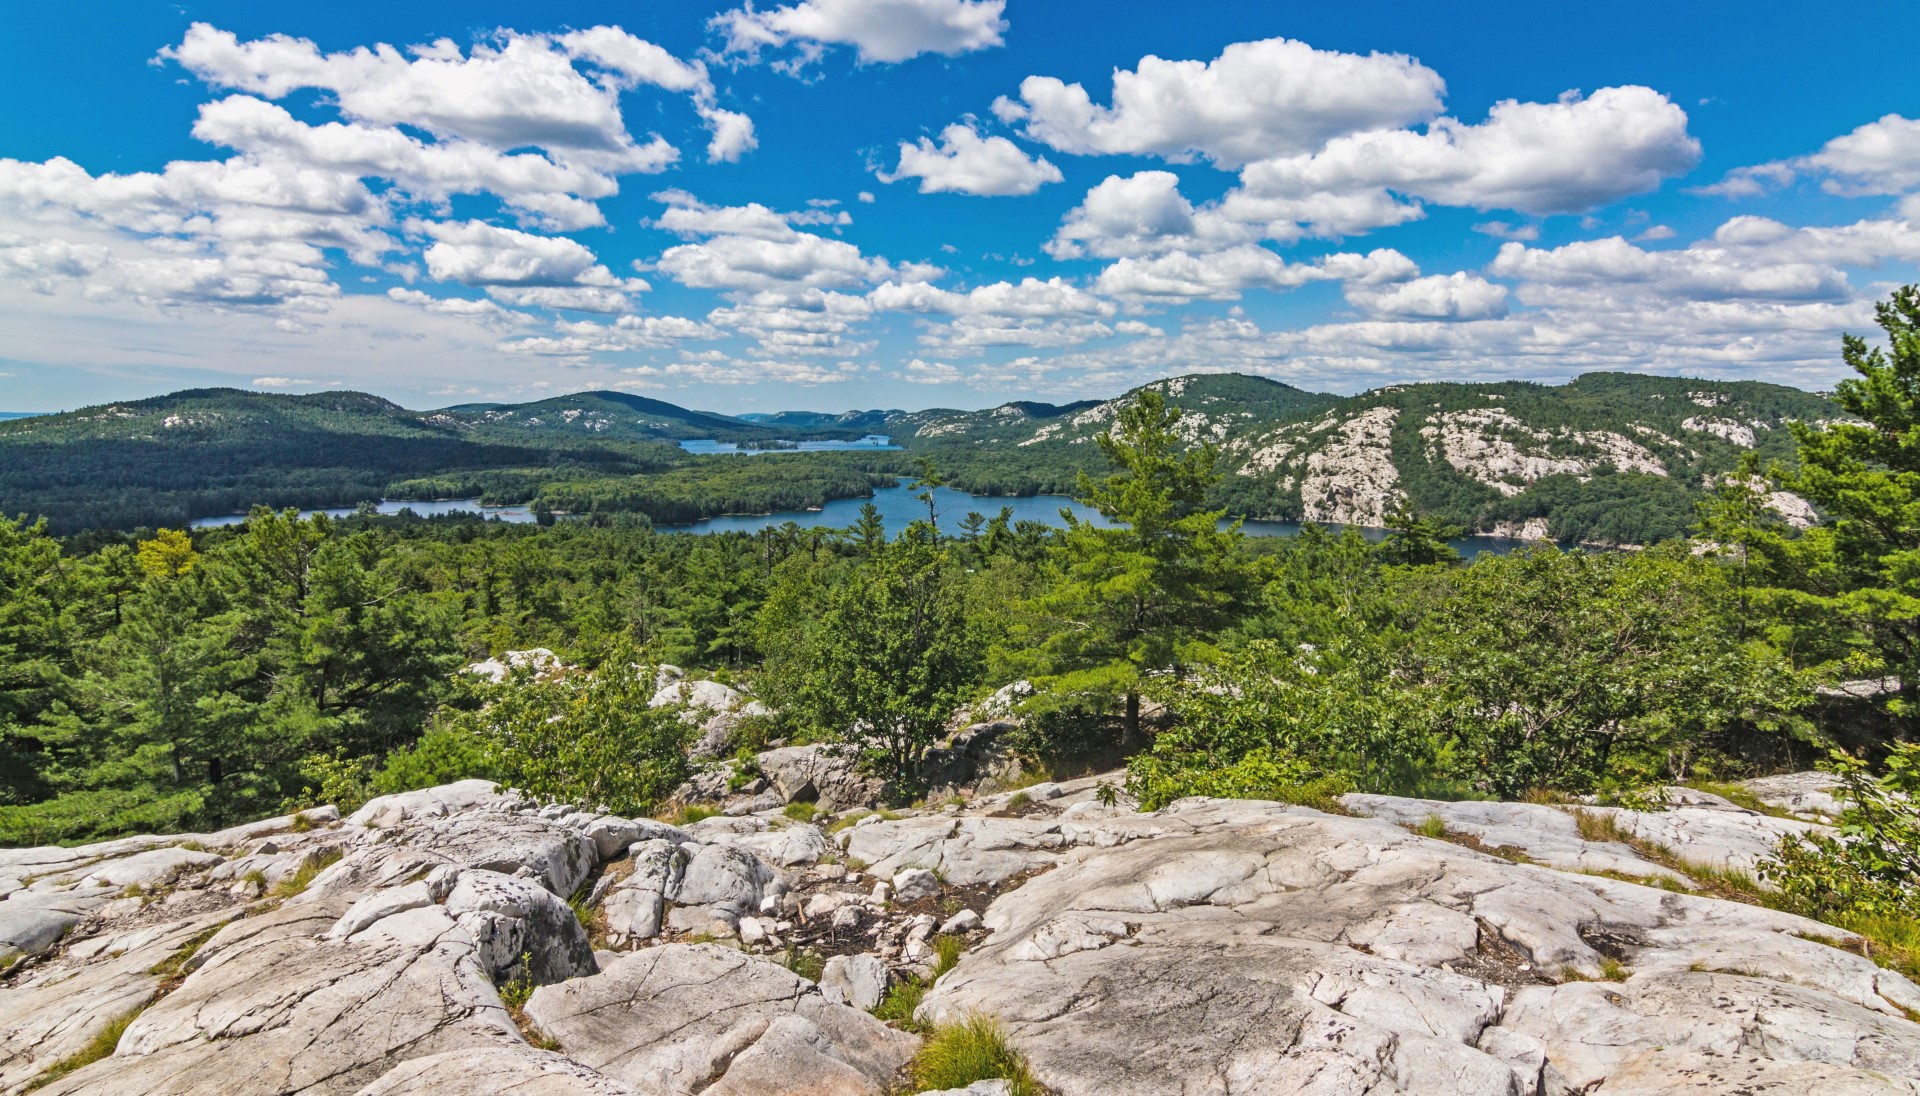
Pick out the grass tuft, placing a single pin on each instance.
(807, 964)
(975, 1048)
(901, 1002)
(1018, 800)
(693, 812)
(801, 811)
(947, 951)
(846, 821)
(1594, 826)
(102, 1045)
(304, 876)
(174, 966)
(581, 903)
(1432, 826)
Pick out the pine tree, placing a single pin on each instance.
(1128, 595)
(1858, 572)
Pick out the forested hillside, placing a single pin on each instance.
(1609, 458)
(164, 461)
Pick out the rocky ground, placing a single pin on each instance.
(464, 940)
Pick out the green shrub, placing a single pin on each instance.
(588, 738)
(974, 1048)
(1873, 868)
(519, 989)
(1260, 774)
(443, 755)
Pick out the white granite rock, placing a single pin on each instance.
(857, 980)
(698, 1018)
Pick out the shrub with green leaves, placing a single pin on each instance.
(1573, 670)
(1872, 868)
(1301, 725)
(586, 738)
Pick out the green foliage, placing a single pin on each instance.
(1302, 725)
(1417, 540)
(167, 556)
(585, 738)
(340, 780)
(285, 642)
(1127, 597)
(886, 661)
(1872, 868)
(973, 1048)
(705, 487)
(1561, 670)
(443, 755)
(1858, 573)
(1259, 774)
(518, 990)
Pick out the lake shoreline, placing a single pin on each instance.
(898, 506)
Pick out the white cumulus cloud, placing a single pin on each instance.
(1880, 157)
(1257, 100)
(965, 162)
(1563, 157)
(881, 31)
(1458, 296)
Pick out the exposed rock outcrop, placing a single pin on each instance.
(1214, 946)
(718, 709)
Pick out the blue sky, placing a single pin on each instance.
(857, 203)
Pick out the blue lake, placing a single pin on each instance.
(897, 505)
(870, 442)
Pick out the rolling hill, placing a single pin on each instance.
(1607, 458)
(1610, 458)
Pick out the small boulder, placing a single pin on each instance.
(857, 980)
(913, 884)
(960, 923)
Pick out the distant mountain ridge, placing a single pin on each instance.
(1619, 458)
(1606, 458)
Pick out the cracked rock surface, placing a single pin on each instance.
(1217, 947)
